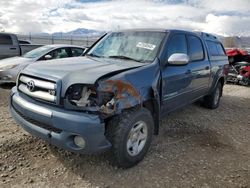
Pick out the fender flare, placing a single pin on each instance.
(216, 82)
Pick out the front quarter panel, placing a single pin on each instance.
(132, 88)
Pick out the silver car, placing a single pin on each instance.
(10, 67)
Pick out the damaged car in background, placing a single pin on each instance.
(239, 69)
(114, 96)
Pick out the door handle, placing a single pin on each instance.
(188, 72)
(13, 48)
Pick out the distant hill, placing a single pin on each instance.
(80, 32)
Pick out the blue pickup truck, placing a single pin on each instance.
(114, 96)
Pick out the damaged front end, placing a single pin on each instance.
(106, 97)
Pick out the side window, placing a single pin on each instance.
(5, 40)
(61, 53)
(43, 57)
(212, 48)
(196, 51)
(177, 44)
(215, 48)
(76, 52)
(220, 49)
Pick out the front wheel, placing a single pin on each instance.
(130, 134)
(212, 101)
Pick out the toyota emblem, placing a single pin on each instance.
(31, 85)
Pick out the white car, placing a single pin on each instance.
(10, 67)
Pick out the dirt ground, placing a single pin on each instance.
(196, 147)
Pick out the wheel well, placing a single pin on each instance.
(150, 105)
(222, 81)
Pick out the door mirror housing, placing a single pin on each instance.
(178, 59)
(47, 57)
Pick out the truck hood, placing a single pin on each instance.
(15, 61)
(84, 70)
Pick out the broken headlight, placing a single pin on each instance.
(81, 95)
(87, 96)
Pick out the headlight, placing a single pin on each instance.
(81, 95)
(4, 68)
(87, 96)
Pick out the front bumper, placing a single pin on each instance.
(57, 125)
(7, 77)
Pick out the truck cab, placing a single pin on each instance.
(9, 46)
(189, 81)
(114, 96)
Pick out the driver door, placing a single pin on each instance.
(176, 79)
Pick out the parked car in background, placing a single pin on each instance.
(10, 67)
(115, 96)
(10, 46)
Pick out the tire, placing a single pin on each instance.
(130, 130)
(212, 101)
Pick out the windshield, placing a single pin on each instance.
(139, 46)
(38, 52)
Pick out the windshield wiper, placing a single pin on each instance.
(124, 57)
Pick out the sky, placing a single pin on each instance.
(221, 17)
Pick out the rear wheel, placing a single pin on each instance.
(212, 101)
(130, 135)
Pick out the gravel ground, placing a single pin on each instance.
(196, 147)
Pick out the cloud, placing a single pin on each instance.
(228, 25)
(221, 17)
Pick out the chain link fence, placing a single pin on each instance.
(50, 39)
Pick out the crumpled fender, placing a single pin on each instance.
(125, 95)
(145, 89)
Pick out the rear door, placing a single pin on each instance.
(176, 79)
(8, 46)
(199, 66)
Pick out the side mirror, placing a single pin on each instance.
(48, 57)
(178, 59)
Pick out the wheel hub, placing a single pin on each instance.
(137, 138)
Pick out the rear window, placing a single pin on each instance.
(196, 52)
(5, 40)
(215, 48)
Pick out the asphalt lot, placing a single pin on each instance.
(197, 147)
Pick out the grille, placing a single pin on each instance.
(38, 123)
(37, 88)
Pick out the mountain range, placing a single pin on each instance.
(80, 32)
